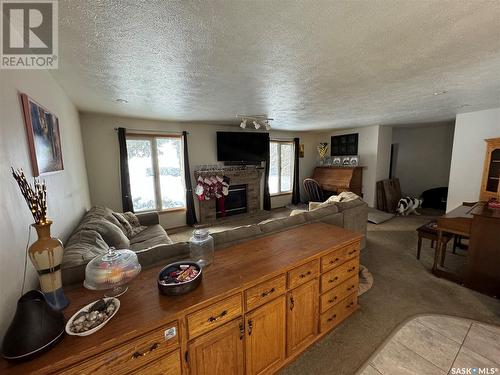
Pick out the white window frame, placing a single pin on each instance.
(285, 192)
(156, 169)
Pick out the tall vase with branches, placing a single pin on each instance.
(322, 151)
(46, 253)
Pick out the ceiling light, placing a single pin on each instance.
(268, 126)
(256, 124)
(120, 100)
(436, 93)
(243, 124)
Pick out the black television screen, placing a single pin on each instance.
(242, 146)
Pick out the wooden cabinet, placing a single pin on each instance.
(256, 310)
(167, 365)
(219, 351)
(490, 185)
(302, 316)
(265, 339)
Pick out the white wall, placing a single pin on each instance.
(68, 195)
(424, 156)
(102, 156)
(469, 148)
(368, 150)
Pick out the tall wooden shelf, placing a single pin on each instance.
(490, 185)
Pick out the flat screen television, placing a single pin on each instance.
(242, 146)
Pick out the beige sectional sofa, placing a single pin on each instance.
(153, 246)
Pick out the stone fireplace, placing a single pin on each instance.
(248, 177)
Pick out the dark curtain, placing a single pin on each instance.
(124, 174)
(296, 182)
(267, 196)
(190, 211)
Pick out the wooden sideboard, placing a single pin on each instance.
(260, 305)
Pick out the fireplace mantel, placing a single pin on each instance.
(249, 176)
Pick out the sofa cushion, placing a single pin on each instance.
(109, 232)
(236, 234)
(151, 236)
(321, 212)
(164, 254)
(84, 245)
(272, 225)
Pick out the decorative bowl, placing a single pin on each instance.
(179, 288)
(86, 308)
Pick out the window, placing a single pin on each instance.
(281, 167)
(156, 171)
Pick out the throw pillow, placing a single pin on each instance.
(130, 223)
(110, 233)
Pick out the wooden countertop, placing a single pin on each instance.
(144, 309)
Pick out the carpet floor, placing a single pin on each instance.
(403, 287)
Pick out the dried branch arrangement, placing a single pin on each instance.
(322, 149)
(35, 196)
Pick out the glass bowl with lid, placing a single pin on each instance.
(112, 271)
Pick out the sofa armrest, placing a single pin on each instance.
(148, 218)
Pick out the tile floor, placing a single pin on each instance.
(438, 344)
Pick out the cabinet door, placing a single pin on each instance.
(219, 351)
(168, 365)
(265, 340)
(302, 315)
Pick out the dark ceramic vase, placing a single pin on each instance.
(36, 327)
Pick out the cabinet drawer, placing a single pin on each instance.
(337, 294)
(131, 355)
(214, 315)
(337, 257)
(264, 292)
(338, 313)
(167, 365)
(335, 277)
(303, 274)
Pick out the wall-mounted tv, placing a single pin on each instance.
(242, 146)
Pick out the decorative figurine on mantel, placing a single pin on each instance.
(46, 253)
(322, 150)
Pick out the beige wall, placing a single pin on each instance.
(424, 156)
(469, 148)
(368, 150)
(68, 195)
(102, 157)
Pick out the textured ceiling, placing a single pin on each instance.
(308, 64)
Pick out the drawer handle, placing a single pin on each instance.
(333, 280)
(151, 349)
(351, 269)
(351, 252)
(302, 275)
(292, 303)
(334, 261)
(350, 305)
(265, 294)
(242, 330)
(350, 288)
(333, 317)
(250, 326)
(214, 319)
(332, 300)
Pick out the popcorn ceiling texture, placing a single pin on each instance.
(308, 64)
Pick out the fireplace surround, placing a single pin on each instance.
(249, 176)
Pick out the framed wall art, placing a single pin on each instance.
(44, 141)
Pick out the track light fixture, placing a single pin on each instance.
(258, 121)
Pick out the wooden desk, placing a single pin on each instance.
(339, 179)
(260, 305)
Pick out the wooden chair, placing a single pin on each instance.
(313, 190)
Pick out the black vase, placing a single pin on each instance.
(36, 327)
